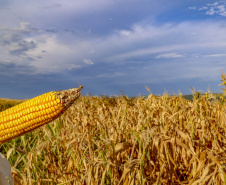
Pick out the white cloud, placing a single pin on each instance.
(211, 11)
(213, 4)
(52, 56)
(216, 55)
(203, 8)
(222, 10)
(218, 8)
(192, 8)
(88, 61)
(169, 55)
(124, 32)
(169, 39)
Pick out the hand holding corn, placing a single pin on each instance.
(35, 112)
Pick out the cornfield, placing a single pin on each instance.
(121, 140)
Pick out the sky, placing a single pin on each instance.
(111, 47)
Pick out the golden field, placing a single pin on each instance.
(121, 140)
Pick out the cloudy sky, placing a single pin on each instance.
(111, 46)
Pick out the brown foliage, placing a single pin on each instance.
(119, 140)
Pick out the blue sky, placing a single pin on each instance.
(111, 47)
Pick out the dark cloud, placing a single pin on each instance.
(13, 69)
(22, 47)
(51, 30)
(14, 39)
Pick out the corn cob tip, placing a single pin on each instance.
(68, 97)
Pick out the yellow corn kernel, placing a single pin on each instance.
(36, 112)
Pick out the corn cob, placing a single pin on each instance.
(35, 112)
